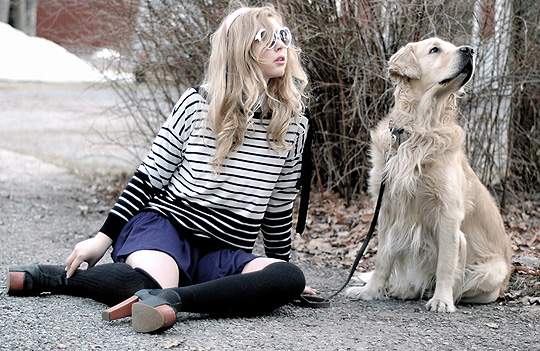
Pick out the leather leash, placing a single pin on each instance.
(366, 240)
(306, 300)
(314, 301)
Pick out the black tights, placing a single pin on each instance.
(245, 294)
(109, 283)
(242, 294)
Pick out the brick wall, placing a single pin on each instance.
(80, 24)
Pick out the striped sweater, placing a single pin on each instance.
(253, 192)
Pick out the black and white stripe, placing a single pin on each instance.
(253, 192)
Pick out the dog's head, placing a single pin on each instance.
(433, 64)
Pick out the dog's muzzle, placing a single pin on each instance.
(466, 66)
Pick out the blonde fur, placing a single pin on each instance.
(237, 87)
(440, 231)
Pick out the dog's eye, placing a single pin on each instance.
(434, 50)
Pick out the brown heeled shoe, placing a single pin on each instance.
(33, 280)
(156, 310)
(121, 310)
(148, 319)
(15, 282)
(151, 310)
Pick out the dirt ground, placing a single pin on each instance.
(52, 195)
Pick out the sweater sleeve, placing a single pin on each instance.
(277, 222)
(135, 196)
(157, 168)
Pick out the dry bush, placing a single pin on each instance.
(346, 45)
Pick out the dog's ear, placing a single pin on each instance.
(404, 64)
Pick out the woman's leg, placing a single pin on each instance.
(251, 293)
(258, 264)
(159, 265)
(114, 282)
(108, 283)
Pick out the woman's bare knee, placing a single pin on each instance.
(258, 264)
(159, 265)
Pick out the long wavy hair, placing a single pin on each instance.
(237, 87)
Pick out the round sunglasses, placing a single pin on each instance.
(283, 34)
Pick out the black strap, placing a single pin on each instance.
(396, 138)
(199, 89)
(305, 176)
(306, 300)
(317, 302)
(322, 302)
(366, 240)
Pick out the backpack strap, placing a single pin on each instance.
(305, 176)
(199, 89)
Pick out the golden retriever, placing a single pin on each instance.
(440, 231)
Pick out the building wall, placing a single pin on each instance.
(86, 24)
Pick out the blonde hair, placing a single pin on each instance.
(236, 84)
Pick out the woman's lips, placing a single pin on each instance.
(280, 60)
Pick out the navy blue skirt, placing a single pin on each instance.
(152, 231)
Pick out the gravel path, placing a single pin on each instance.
(46, 209)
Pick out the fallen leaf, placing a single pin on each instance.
(172, 344)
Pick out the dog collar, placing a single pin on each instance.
(395, 139)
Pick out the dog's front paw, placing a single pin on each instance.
(363, 293)
(440, 305)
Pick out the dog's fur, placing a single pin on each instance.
(440, 231)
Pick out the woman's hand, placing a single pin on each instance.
(90, 251)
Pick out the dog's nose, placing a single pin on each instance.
(467, 50)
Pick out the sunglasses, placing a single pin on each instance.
(283, 34)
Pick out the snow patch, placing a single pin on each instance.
(26, 58)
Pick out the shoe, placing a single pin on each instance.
(121, 310)
(155, 310)
(151, 310)
(33, 280)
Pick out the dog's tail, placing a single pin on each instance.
(485, 281)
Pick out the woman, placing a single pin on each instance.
(224, 166)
